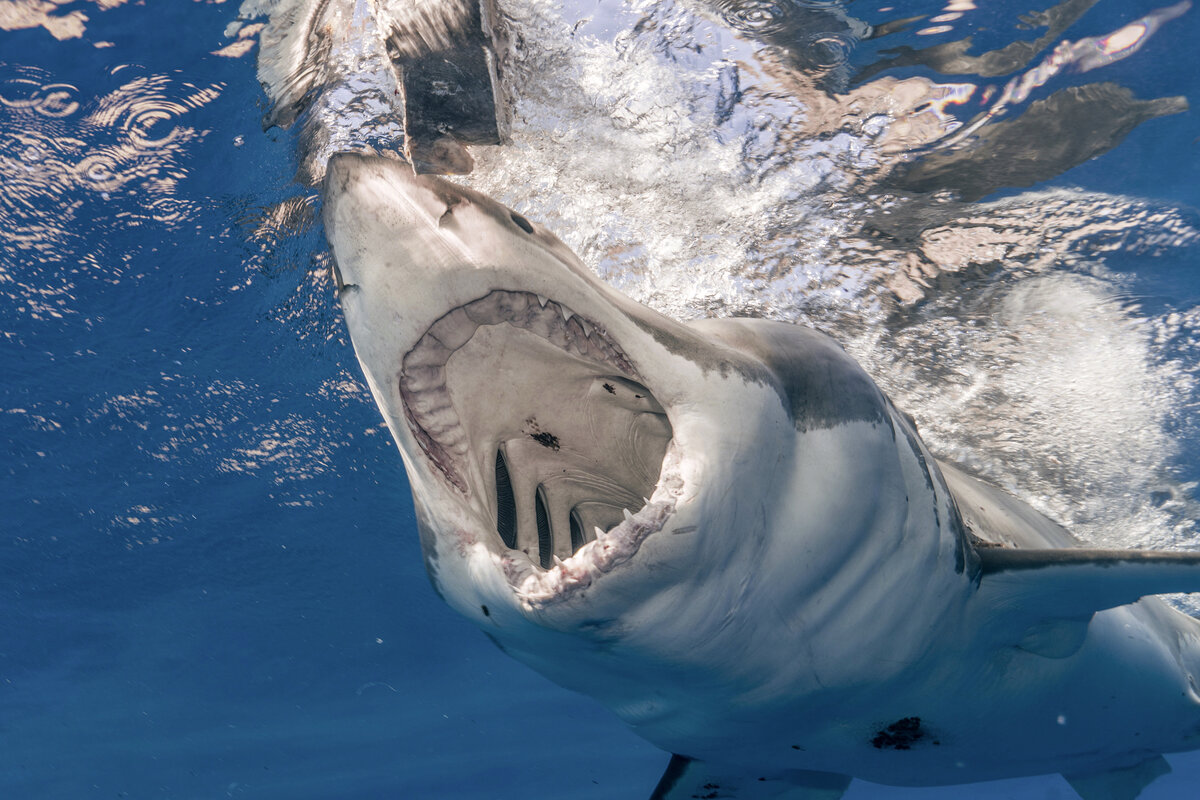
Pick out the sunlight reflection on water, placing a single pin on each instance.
(120, 155)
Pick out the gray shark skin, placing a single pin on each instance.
(728, 535)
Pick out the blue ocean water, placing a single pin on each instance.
(209, 567)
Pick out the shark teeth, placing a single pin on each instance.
(537, 588)
(427, 407)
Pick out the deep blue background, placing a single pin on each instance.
(210, 582)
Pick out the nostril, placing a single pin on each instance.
(545, 539)
(506, 504)
(521, 222)
(449, 202)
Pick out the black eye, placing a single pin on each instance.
(506, 504)
(522, 223)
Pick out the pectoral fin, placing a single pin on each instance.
(1077, 582)
(688, 779)
(1038, 587)
(1119, 784)
(1041, 601)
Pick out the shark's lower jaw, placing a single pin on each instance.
(542, 419)
(538, 588)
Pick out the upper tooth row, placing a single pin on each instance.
(423, 376)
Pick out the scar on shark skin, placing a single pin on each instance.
(900, 735)
(544, 438)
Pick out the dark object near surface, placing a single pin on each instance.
(1062, 131)
(445, 54)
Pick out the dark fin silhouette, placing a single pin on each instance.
(1119, 784)
(688, 779)
(1077, 582)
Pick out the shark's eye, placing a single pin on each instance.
(522, 223)
(506, 504)
(545, 539)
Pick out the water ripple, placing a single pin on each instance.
(72, 165)
(757, 16)
(53, 100)
(59, 150)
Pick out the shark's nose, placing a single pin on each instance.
(375, 182)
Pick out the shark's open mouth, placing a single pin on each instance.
(518, 398)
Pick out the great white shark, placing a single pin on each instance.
(726, 533)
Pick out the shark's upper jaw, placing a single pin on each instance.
(423, 388)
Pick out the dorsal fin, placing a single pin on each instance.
(1027, 557)
(687, 778)
(997, 519)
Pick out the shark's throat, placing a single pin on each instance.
(540, 587)
(539, 419)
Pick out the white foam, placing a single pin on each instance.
(1024, 360)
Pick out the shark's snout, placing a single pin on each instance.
(427, 199)
(373, 185)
